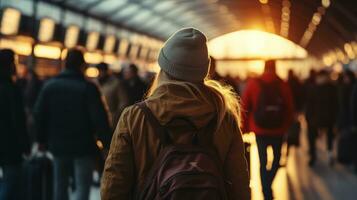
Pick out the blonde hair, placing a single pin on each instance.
(226, 100)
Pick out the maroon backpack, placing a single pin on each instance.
(183, 171)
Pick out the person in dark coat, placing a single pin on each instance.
(14, 142)
(70, 116)
(353, 115)
(321, 112)
(345, 88)
(113, 91)
(31, 86)
(135, 87)
(297, 91)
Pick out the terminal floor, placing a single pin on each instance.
(298, 181)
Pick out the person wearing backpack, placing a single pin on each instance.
(268, 103)
(184, 140)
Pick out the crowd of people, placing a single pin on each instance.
(84, 122)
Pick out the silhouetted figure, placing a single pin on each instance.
(269, 105)
(321, 112)
(297, 91)
(31, 91)
(113, 91)
(345, 89)
(354, 122)
(135, 87)
(14, 140)
(70, 115)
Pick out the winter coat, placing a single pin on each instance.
(135, 146)
(250, 104)
(14, 139)
(297, 91)
(115, 97)
(321, 105)
(70, 114)
(354, 106)
(344, 106)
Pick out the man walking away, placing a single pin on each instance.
(70, 116)
(113, 91)
(269, 106)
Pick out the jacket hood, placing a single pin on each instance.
(176, 99)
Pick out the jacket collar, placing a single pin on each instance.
(71, 73)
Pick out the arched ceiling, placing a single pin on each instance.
(335, 24)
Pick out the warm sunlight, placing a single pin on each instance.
(242, 54)
(248, 44)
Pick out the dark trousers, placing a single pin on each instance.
(83, 169)
(10, 188)
(312, 136)
(267, 176)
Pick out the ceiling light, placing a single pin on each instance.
(325, 3)
(263, 1)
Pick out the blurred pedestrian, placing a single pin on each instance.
(14, 142)
(113, 91)
(345, 88)
(321, 112)
(354, 123)
(70, 116)
(269, 105)
(31, 91)
(134, 86)
(347, 140)
(180, 91)
(297, 91)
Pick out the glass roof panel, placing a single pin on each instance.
(81, 3)
(164, 6)
(108, 5)
(141, 17)
(130, 9)
(152, 22)
(24, 6)
(47, 10)
(73, 18)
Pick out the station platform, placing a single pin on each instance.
(297, 181)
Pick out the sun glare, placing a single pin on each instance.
(242, 54)
(251, 44)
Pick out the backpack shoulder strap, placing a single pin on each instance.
(159, 129)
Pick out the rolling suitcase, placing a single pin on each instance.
(346, 147)
(38, 180)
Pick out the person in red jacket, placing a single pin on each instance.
(268, 103)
